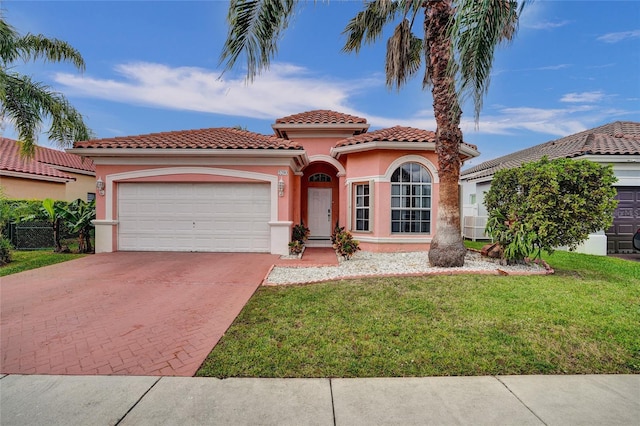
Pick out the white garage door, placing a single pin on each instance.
(225, 217)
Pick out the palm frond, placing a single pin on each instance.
(26, 104)
(404, 55)
(366, 27)
(36, 46)
(30, 47)
(8, 37)
(479, 26)
(255, 27)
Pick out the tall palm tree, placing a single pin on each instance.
(458, 45)
(26, 103)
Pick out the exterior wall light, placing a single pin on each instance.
(100, 186)
(281, 187)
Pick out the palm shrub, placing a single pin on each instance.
(543, 205)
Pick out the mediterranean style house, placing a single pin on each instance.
(616, 144)
(49, 174)
(226, 189)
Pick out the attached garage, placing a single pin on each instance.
(199, 217)
(626, 220)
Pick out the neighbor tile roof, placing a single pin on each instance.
(321, 116)
(213, 138)
(394, 134)
(617, 138)
(43, 163)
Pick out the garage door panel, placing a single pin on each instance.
(194, 217)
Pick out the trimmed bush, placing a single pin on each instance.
(548, 204)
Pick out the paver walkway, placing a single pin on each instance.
(124, 313)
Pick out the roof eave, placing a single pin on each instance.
(33, 176)
(281, 129)
(337, 152)
(186, 152)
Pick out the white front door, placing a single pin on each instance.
(319, 210)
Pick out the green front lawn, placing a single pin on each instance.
(25, 260)
(583, 319)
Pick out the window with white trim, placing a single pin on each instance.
(411, 199)
(362, 208)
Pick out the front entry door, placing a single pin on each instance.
(319, 210)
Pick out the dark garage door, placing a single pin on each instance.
(626, 220)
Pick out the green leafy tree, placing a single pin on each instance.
(458, 42)
(548, 204)
(26, 103)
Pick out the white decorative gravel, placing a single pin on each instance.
(371, 264)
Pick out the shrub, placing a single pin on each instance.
(547, 204)
(344, 244)
(300, 233)
(336, 230)
(296, 247)
(5, 250)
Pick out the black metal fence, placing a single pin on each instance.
(34, 235)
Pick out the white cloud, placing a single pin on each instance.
(619, 36)
(283, 90)
(287, 89)
(584, 97)
(546, 25)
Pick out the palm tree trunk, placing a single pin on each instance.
(447, 248)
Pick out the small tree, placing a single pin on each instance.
(548, 204)
(53, 211)
(79, 215)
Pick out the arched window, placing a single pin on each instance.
(411, 199)
(320, 177)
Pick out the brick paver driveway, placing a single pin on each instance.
(124, 313)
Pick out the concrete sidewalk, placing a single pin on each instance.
(501, 400)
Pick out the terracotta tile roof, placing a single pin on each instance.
(617, 138)
(394, 134)
(321, 116)
(44, 162)
(213, 138)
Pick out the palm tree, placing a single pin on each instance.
(458, 44)
(26, 103)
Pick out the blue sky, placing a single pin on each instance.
(153, 66)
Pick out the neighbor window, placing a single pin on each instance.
(362, 209)
(411, 199)
(91, 196)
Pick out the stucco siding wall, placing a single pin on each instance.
(32, 189)
(80, 187)
(375, 168)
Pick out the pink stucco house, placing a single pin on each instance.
(225, 189)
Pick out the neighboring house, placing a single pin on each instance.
(225, 189)
(49, 174)
(616, 144)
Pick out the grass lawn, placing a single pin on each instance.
(25, 260)
(583, 319)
